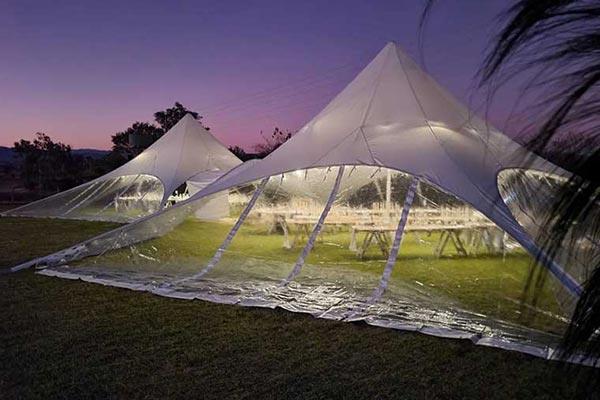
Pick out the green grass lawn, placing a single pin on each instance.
(27, 238)
(69, 339)
(485, 284)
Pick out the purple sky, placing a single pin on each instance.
(82, 70)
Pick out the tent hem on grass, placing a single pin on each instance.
(545, 352)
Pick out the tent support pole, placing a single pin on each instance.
(316, 230)
(219, 253)
(391, 261)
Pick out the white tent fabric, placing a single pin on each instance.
(186, 153)
(392, 117)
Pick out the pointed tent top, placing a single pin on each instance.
(186, 150)
(188, 134)
(391, 105)
(393, 114)
(183, 121)
(188, 116)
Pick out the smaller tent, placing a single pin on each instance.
(187, 153)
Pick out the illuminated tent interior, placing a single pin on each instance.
(186, 154)
(394, 206)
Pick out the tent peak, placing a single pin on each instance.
(183, 123)
(188, 117)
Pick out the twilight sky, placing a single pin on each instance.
(81, 70)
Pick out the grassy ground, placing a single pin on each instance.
(75, 340)
(484, 283)
(27, 238)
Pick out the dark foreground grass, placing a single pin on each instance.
(27, 238)
(73, 340)
(65, 339)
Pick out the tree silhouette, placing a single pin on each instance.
(145, 134)
(239, 152)
(166, 119)
(560, 39)
(45, 165)
(272, 143)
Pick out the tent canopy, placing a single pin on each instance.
(394, 115)
(187, 152)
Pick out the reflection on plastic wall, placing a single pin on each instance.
(177, 243)
(120, 199)
(458, 270)
(531, 197)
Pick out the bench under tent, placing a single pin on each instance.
(187, 153)
(394, 206)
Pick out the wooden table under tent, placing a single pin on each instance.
(394, 206)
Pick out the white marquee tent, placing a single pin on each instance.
(142, 186)
(390, 206)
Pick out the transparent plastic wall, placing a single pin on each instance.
(120, 199)
(170, 247)
(340, 272)
(459, 272)
(264, 250)
(321, 240)
(532, 197)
